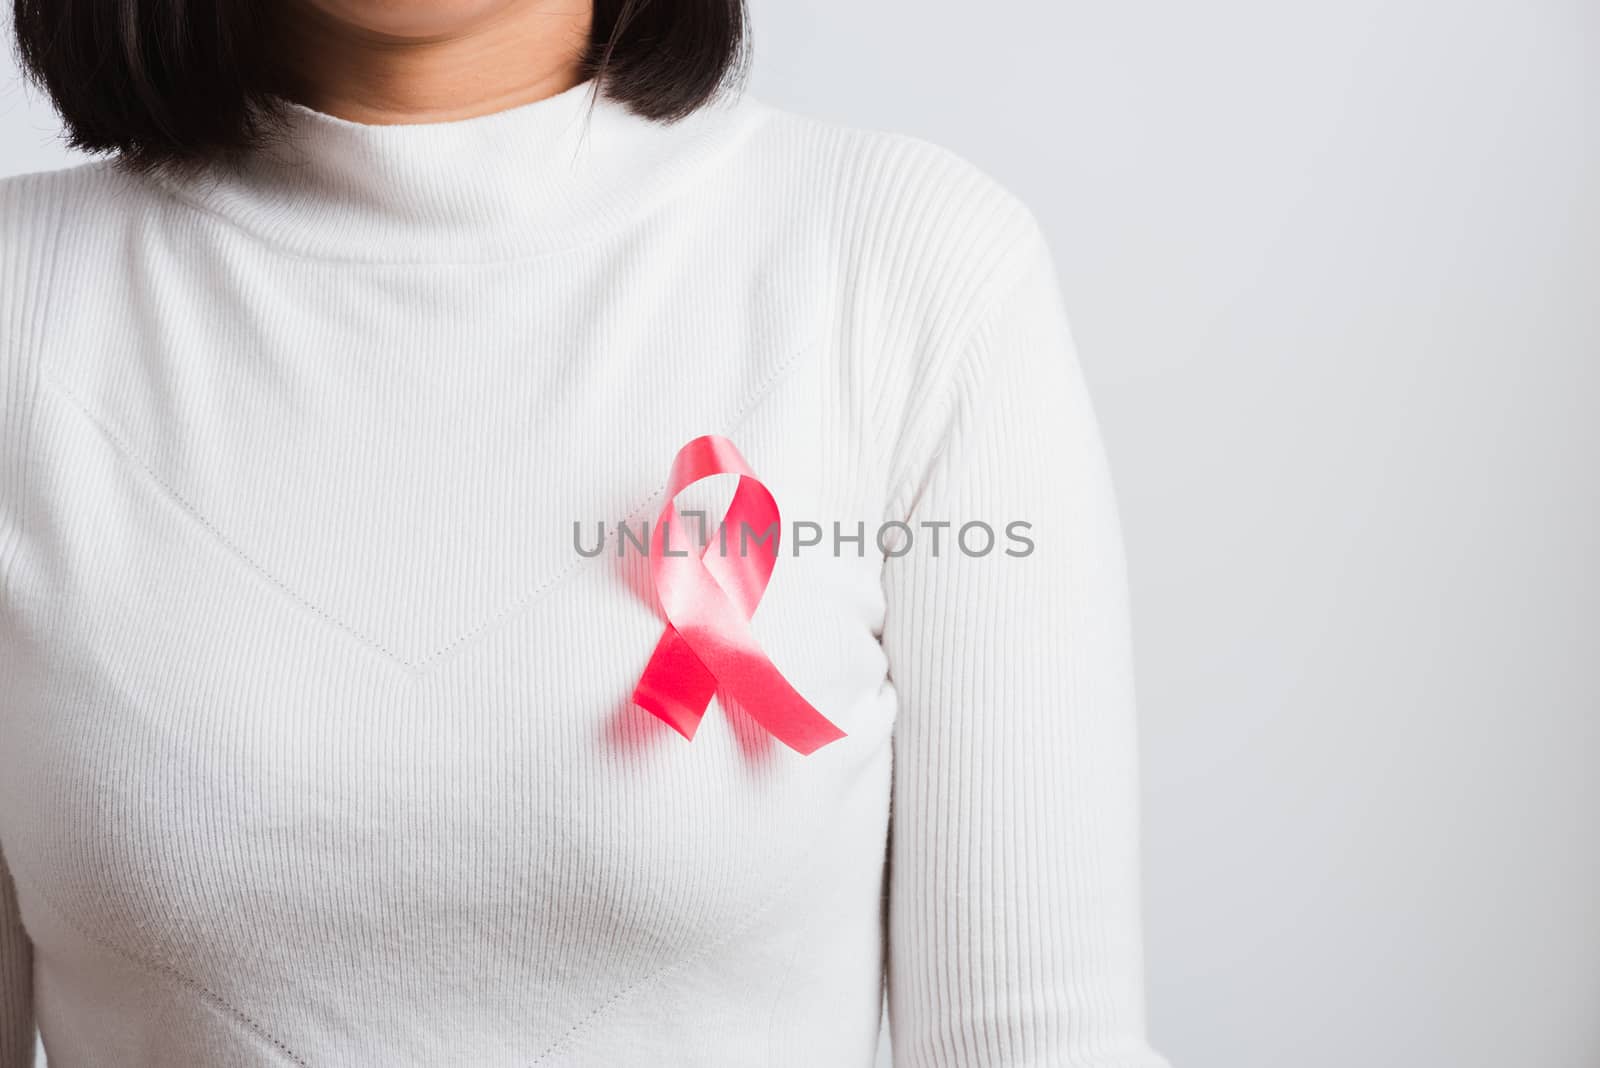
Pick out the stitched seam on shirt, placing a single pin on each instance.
(679, 964)
(167, 970)
(779, 893)
(172, 493)
(31, 415)
(757, 395)
(418, 667)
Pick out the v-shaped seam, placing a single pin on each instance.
(416, 668)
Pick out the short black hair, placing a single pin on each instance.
(160, 82)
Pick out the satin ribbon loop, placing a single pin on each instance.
(709, 597)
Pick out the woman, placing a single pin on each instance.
(327, 738)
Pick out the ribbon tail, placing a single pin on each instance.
(752, 681)
(675, 687)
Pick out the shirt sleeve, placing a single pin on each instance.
(1013, 897)
(30, 213)
(16, 980)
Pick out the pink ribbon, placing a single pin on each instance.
(709, 597)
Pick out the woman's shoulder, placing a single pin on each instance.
(55, 226)
(914, 213)
(37, 198)
(47, 220)
(45, 213)
(918, 245)
(886, 169)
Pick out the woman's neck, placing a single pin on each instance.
(521, 51)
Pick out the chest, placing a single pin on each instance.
(300, 637)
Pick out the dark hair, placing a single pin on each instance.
(174, 81)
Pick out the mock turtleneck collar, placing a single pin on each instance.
(534, 178)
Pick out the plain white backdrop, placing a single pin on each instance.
(1335, 277)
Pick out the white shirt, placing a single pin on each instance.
(316, 739)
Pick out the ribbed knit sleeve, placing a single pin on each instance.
(1014, 892)
(30, 215)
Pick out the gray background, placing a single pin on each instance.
(1334, 273)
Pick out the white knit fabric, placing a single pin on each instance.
(316, 745)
